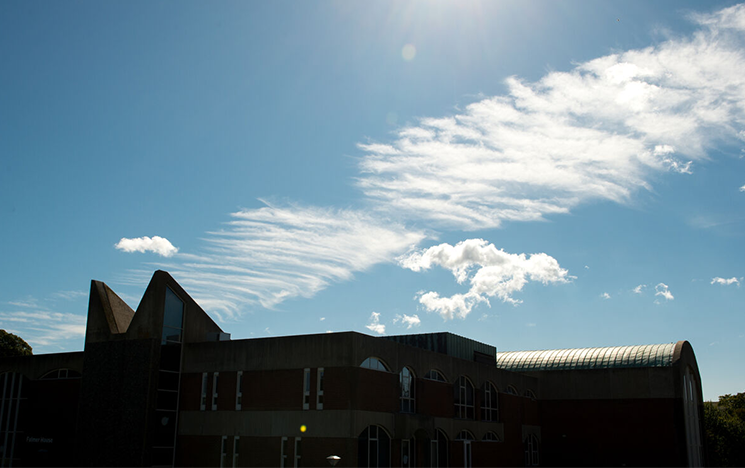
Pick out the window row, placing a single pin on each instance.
(374, 449)
(463, 389)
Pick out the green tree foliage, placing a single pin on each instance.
(724, 427)
(13, 345)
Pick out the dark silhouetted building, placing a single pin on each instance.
(166, 386)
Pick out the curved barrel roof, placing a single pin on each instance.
(659, 355)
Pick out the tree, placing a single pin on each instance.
(724, 429)
(13, 345)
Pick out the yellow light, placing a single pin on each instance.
(303, 428)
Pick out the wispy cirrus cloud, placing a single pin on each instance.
(270, 254)
(725, 281)
(601, 131)
(45, 330)
(597, 132)
(491, 272)
(155, 244)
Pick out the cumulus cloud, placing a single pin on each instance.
(155, 244)
(742, 189)
(600, 131)
(407, 320)
(491, 272)
(638, 289)
(724, 281)
(605, 295)
(274, 253)
(662, 290)
(375, 325)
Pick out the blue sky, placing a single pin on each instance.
(532, 175)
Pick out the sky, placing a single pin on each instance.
(529, 174)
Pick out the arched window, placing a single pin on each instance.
(374, 447)
(511, 390)
(61, 374)
(466, 437)
(491, 437)
(438, 453)
(464, 398)
(406, 379)
(435, 375)
(490, 403)
(530, 394)
(374, 364)
(531, 450)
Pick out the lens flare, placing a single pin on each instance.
(408, 52)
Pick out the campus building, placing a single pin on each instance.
(165, 385)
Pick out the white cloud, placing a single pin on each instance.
(375, 324)
(605, 295)
(491, 272)
(600, 131)
(662, 290)
(273, 253)
(322, 319)
(724, 281)
(408, 320)
(70, 295)
(742, 189)
(638, 289)
(44, 330)
(155, 244)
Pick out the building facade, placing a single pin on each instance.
(165, 386)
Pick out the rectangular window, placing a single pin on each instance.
(306, 389)
(173, 318)
(214, 390)
(223, 451)
(319, 392)
(203, 403)
(283, 453)
(236, 444)
(297, 452)
(239, 391)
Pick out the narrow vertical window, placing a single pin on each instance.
(214, 390)
(531, 450)
(306, 389)
(236, 452)
(464, 398)
(223, 451)
(490, 403)
(406, 381)
(298, 451)
(203, 404)
(239, 391)
(283, 453)
(405, 453)
(319, 390)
